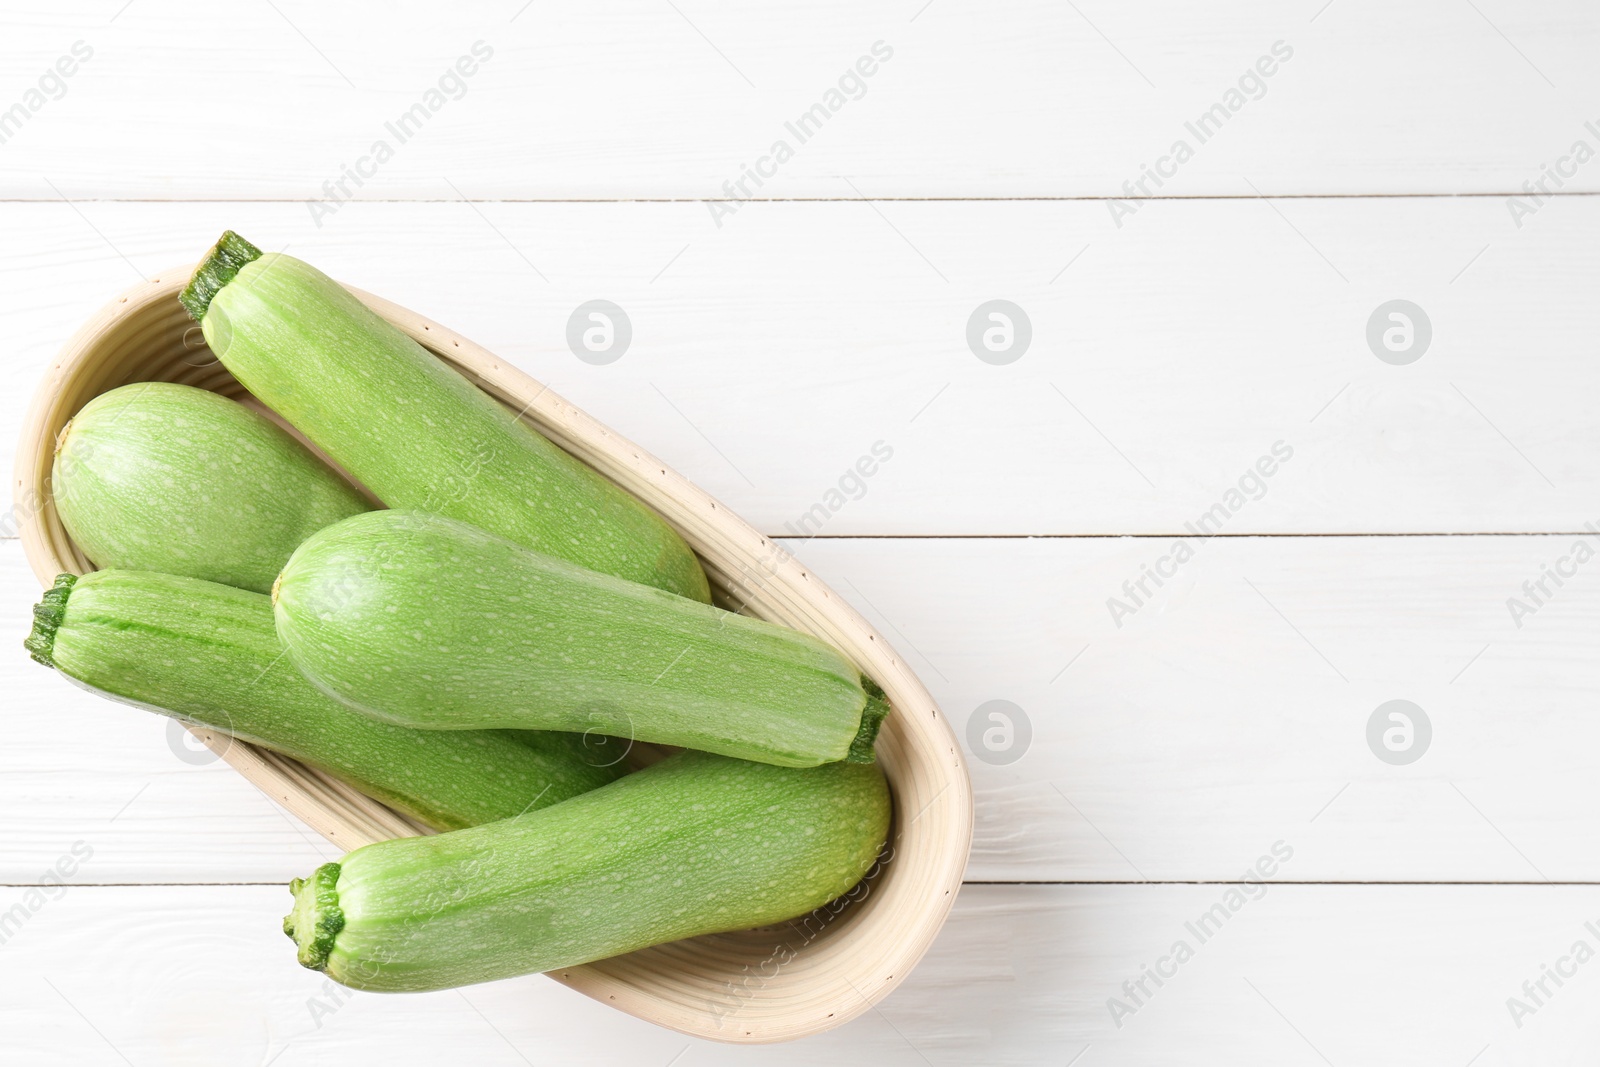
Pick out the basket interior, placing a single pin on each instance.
(756, 985)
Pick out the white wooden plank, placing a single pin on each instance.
(1308, 975)
(1233, 704)
(768, 359)
(1022, 98)
(1230, 708)
(1227, 715)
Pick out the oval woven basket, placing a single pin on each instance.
(771, 984)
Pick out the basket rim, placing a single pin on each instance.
(742, 563)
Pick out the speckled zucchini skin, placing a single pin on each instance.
(414, 431)
(696, 844)
(207, 654)
(162, 477)
(430, 622)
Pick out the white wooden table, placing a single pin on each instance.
(1163, 741)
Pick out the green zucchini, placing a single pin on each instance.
(206, 654)
(430, 622)
(162, 477)
(411, 429)
(696, 844)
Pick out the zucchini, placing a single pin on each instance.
(432, 623)
(206, 654)
(411, 429)
(162, 477)
(695, 844)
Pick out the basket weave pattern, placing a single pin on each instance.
(771, 984)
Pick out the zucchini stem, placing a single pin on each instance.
(872, 717)
(316, 918)
(47, 616)
(226, 258)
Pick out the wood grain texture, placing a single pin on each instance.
(616, 100)
(771, 352)
(1230, 708)
(1167, 359)
(1372, 975)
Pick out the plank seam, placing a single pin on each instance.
(1479, 194)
